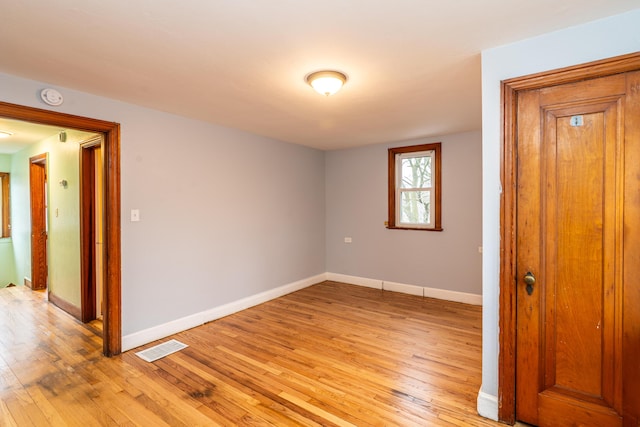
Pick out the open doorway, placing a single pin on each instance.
(110, 165)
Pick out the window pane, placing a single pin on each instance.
(416, 172)
(415, 187)
(415, 207)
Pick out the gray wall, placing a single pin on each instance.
(224, 214)
(357, 208)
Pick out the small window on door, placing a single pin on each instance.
(5, 219)
(414, 187)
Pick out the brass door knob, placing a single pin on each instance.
(529, 280)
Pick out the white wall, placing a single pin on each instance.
(357, 198)
(597, 40)
(224, 214)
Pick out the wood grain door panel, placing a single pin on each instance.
(574, 202)
(37, 184)
(631, 255)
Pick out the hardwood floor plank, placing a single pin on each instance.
(17, 412)
(48, 409)
(6, 419)
(328, 355)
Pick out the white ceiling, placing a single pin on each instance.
(413, 65)
(23, 134)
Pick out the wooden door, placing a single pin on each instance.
(92, 229)
(37, 184)
(98, 225)
(577, 245)
(87, 234)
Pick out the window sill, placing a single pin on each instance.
(414, 228)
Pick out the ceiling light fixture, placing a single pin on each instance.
(326, 82)
(5, 134)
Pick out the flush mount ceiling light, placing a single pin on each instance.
(5, 134)
(326, 82)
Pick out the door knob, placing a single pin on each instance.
(529, 280)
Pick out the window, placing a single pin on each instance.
(5, 222)
(414, 187)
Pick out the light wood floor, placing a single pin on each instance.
(329, 355)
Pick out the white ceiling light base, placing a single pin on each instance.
(326, 82)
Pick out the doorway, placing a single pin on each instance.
(112, 330)
(39, 226)
(569, 334)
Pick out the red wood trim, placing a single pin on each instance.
(65, 305)
(112, 336)
(87, 236)
(391, 222)
(415, 228)
(438, 188)
(38, 158)
(507, 300)
(112, 321)
(6, 207)
(437, 147)
(590, 70)
(37, 189)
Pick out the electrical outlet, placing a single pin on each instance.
(348, 240)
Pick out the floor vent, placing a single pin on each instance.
(161, 350)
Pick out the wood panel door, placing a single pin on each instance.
(92, 229)
(577, 253)
(38, 196)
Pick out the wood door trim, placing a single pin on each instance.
(5, 177)
(112, 333)
(37, 208)
(87, 235)
(508, 170)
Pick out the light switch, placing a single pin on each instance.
(348, 240)
(135, 215)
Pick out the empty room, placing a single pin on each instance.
(346, 213)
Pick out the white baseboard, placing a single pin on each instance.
(488, 405)
(443, 294)
(173, 327)
(354, 280)
(403, 288)
(146, 336)
(474, 299)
